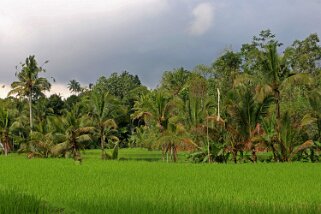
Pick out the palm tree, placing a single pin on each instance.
(157, 109)
(291, 142)
(74, 126)
(142, 111)
(154, 107)
(277, 76)
(74, 86)
(313, 118)
(104, 109)
(174, 137)
(245, 114)
(6, 125)
(43, 138)
(29, 84)
(174, 81)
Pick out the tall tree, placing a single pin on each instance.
(76, 130)
(119, 85)
(304, 55)
(312, 120)
(252, 52)
(104, 109)
(174, 81)
(246, 114)
(74, 86)
(277, 75)
(6, 123)
(29, 83)
(56, 103)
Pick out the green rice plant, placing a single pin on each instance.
(13, 201)
(112, 186)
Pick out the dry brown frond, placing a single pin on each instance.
(305, 145)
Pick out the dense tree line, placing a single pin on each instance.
(265, 98)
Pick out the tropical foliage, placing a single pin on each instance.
(248, 104)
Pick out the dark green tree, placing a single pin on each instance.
(74, 86)
(29, 84)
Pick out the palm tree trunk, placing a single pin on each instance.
(234, 153)
(102, 144)
(30, 112)
(218, 104)
(277, 112)
(5, 150)
(278, 116)
(174, 153)
(278, 124)
(254, 157)
(275, 156)
(75, 149)
(208, 142)
(103, 152)
(163, 152)
(6, 147)
(167, 156)
(277, 103)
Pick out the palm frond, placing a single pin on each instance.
(297, 79)
(308, 119)
(305, 145)
(84, 138)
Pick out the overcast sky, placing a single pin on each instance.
(85, 39)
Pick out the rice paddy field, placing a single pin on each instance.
(141, 183)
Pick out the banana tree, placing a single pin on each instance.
(217, 138)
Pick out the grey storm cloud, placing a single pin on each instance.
(86, 39)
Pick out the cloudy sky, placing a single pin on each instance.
(85, 39)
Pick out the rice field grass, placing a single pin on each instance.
(96, 186)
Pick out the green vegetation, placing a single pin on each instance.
(156, 187)
(258, 105)
(252, 101)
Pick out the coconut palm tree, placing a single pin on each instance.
(74, 86)
(43, 138)
(313, 117)
(7, 121)
(173, 137)
(244, 116)
(155, 107)
(291, 141)
(104, 109)
(174, 81)
(277, 76)
(29, 84)
(76, 130)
